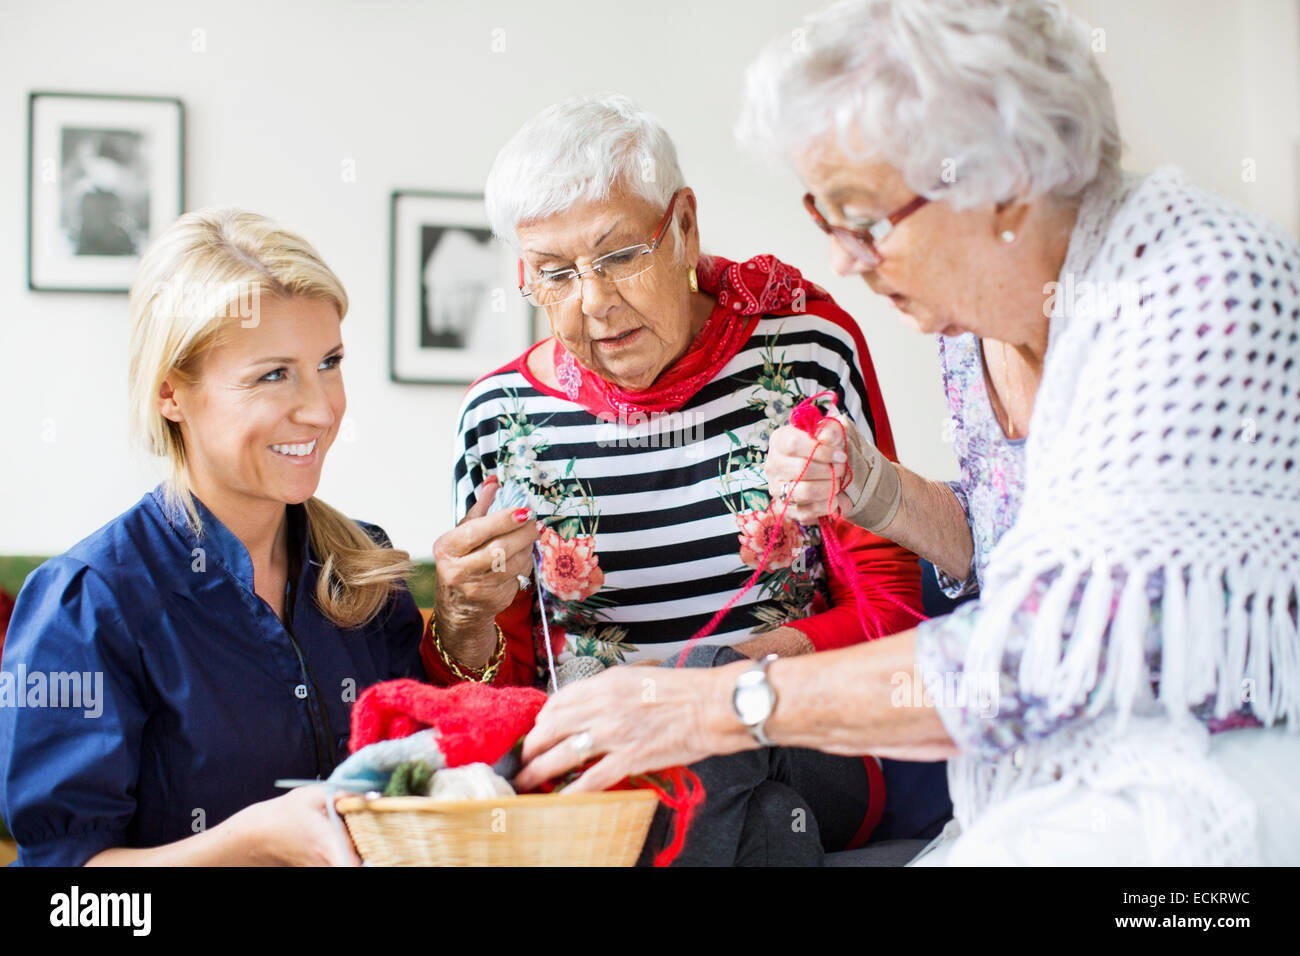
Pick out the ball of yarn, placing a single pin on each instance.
(805, 416)
(474, 781)
(409, 779)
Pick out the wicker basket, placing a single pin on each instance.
(560, 829)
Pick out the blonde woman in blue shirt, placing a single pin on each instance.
(233, 616)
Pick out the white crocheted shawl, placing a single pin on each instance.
(1162, 474)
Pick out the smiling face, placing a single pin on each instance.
(631, 331)
(946, 271)
(264, 408)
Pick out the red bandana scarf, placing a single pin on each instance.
(744, 290)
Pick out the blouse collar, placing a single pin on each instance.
(221, 544)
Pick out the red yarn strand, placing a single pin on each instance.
(808, 417)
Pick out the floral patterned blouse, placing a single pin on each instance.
(992, 465)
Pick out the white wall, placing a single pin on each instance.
(414, 94)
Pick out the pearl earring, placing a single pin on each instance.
(1008, 236)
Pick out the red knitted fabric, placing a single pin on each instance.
(475, 723)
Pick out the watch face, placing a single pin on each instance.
(753, 703)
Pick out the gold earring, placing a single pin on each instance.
(693, 280)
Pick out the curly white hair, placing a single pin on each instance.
(975, 100)
(584, 148)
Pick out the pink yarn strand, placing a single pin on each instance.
(709, 628)
(807, 417)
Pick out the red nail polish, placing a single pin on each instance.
(523, 514)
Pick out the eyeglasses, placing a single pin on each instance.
(862, 243)
(552, 288)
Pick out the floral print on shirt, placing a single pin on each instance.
(570, 565)
(992, 466)
(794, 577)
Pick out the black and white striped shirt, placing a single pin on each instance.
(659, 505)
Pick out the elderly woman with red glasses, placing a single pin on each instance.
(1120, 357)
(630, 446)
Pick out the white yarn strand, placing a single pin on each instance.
(511, 495)
(1127, 664)
(1284, 653)
(1205, 629)
(1118, 653)
(1042, 657)
(541, 610)
(1257, 669)
(1078, 673)
(1232, 668)
(988, 643)
(1174, 645)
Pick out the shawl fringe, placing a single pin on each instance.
(1229, 639)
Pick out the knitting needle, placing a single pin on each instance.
(349, 784)
(541, 605)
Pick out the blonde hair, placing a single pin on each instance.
(194, 282)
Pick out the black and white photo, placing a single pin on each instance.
(105, 175)
(454, 306)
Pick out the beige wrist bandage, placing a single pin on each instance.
(875, 492)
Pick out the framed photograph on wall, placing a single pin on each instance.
(455, 312)
(105, 175)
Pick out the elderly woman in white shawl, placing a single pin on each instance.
(1121, 356)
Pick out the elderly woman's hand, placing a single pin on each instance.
(640, 720)
(480, 562)
(815, 494)
(870, 496)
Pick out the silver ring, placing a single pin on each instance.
(581, 743)
(785, 491)
(524, 581)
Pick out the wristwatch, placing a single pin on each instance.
(754, 699)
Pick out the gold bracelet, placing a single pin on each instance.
(486, 675)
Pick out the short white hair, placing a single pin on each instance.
(582, 149)
(973, 101)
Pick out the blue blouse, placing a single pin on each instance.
(147, 692)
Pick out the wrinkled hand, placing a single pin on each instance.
(478, 565)
(640, 720)
(869, 498)
(293, 830)
(815, 494)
